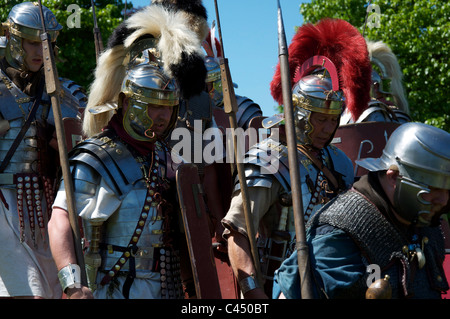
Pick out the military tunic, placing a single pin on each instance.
(27, 267)
(124, 193)
(268, 181)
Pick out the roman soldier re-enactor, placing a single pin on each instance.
(322, 81)
(388, 224)
(247, 108)
(123, 173)
(28, 162)
(388, 100)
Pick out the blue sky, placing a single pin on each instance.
(249, 34)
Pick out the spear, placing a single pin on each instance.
(53, 88)
(230, 107)
(97, 34)
(294, 172)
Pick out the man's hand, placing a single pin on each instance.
(79, 293)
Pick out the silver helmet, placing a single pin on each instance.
(147, 83)
(327, 62)
(380, 78)
(24, 22)
(421, 154)
(318, 91)
(386, 75)
(314, 93)
(214, 80)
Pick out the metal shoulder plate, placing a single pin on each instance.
(110, 159)
(381, 112)
(75, 90)
(254, 178)
(247, 109)
(12, 97)
(85, 178)
(266, 160)
(70, 105)
(402, 117)
(269, 158)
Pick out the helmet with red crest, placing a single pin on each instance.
(330, 69)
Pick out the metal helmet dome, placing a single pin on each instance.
(315, 93)
(147, 84)
(24, 22)
(421, 153)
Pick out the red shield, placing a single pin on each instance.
(211, 270)
(362, 140)
(72, 131)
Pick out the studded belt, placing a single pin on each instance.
(144, 257)
(29, 195)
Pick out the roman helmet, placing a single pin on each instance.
(143, 84)
(386, 76)
(167, 36)
(421, 155)
(24, 22)
(329, 67)
(213, 76)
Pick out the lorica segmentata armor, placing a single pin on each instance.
(135, 239)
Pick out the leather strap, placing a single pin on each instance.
(21, 134)
(24, 129)
(330, 177)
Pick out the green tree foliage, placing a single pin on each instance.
(419, 34)
(76, 56)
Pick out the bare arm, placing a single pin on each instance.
(242, 262)
(62, 247)
(239, 251)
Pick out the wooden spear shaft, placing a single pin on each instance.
(230, 107)
(294, 171)
(53, 88)
(97, 36)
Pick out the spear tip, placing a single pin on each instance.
(282, 45)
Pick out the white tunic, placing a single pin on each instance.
(26, 269)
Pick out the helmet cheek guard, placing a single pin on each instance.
(409, 203)
(24, 22)
(136, 121)
(214, 80)
(143, 85)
